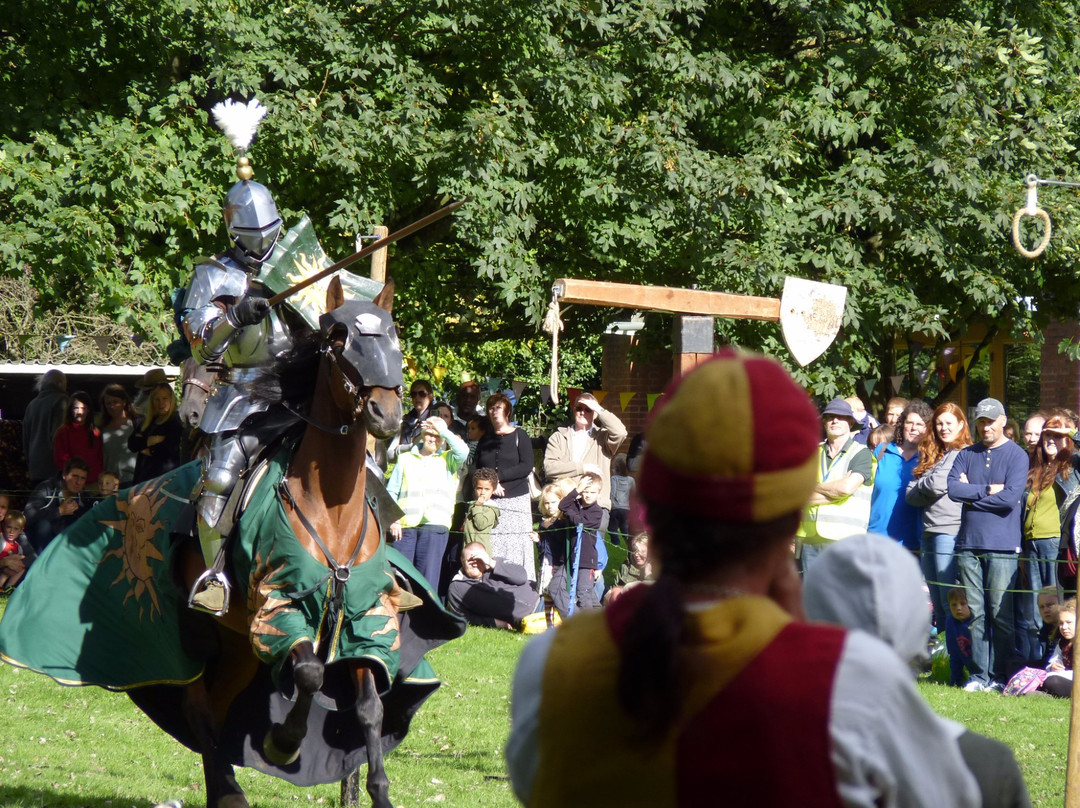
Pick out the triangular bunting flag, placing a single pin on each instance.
(896, 381)
(923, 374)
(625, 399)
(954, 368)
(868, 386)
(600, 396)
(102, 344)
(438, 373)
(63, 341)
(651, 399)
(572, 393)
(545, 394)
(492, 384)
(518, 388)
(915, 347)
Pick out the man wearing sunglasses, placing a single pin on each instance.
(420, 393)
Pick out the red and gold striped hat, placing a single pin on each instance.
(735, 439)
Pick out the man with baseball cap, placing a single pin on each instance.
(840, 503)
(989, 479)
(706, 685)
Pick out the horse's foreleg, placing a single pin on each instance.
(222, 790)
(282, 743)
(369, 711)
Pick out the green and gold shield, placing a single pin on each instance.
(298, 255)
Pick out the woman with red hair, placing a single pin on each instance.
(1051, 477)
(940, 515)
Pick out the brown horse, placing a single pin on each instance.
(356, 391)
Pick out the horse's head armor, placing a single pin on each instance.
(371, 349)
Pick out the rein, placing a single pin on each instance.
(359, 395)
(338, 573)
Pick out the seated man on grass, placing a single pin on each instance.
(491, 592)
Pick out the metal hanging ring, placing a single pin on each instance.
(1039, 248)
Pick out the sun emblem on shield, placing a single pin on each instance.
(311, 298)
(139, 525)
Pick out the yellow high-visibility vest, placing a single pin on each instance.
(844, 517)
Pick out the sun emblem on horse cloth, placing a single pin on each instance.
(139, 525)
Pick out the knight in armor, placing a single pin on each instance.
(232, 329)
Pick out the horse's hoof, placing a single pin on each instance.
(233, 801)
(275, 755)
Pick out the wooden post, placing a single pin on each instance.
(1072, 764)
(350, 790)
(378, 258)
(378, 273)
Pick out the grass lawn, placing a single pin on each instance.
(71, 747)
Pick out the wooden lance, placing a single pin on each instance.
(397, 235)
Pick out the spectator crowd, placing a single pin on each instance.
(77, 451)
(517, 532)
(983, 515)
(490, 515)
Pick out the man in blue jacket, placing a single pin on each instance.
(989, 479)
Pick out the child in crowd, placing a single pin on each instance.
(1056, 678)
(16, 552)
(622, 485)
(636, 569)
(475, 428)
(958, 636)
(481, 517)
(586, 564)
(551, 531)
(878, 436)
(1059, 678)
(108, 484)
(1048, 610)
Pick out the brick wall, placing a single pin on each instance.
(1060, 385)
(619, 374)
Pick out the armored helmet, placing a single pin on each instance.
(252, 219)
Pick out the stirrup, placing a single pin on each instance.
(210, 593)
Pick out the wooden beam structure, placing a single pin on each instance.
(666, 298)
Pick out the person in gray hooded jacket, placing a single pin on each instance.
(871, 583)
(44, 415)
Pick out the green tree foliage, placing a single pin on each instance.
(878, 144)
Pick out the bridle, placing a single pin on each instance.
(199, 384)
(358, 393)
(196, 383)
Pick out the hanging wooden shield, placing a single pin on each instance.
(810, 316)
